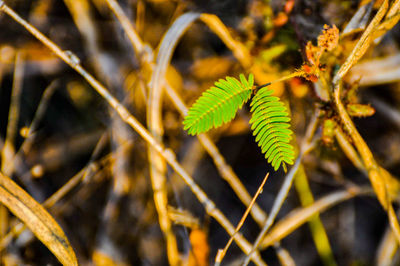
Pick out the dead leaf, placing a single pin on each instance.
(37, 219)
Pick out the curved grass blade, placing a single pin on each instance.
(37, 219)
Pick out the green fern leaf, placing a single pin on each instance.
(218, 104)
(270, 126)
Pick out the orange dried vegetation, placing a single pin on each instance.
(200, 248)
(328, 40)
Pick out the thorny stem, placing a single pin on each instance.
(375, 173)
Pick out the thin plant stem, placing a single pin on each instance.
(299, 73)
(237, 48)
(13, 116)
(387, 249)
(281, 197)
(8, 150)
(284, 256)
(348, 149)
(373, 169)
(354, 158)
(93, 167)
(222, 252)
(37, 118)
(30, 135)
(134, 38)
(362, 44)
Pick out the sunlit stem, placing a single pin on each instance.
(299, 73)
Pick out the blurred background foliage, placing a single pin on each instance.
(110, 217)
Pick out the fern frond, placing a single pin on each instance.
(218, 104)
(270, 126)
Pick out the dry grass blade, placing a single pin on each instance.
(394, 10)
(358, 20)
(284, 257)
(393, 221)
(391, 19)
(40, 111)
(316, 226)
(377, 71)
(238, 49)
(154, 121)
(363, 44)
(387, 249)
(137, 43)
(297, 218)
(37, 219)
(348, 149)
